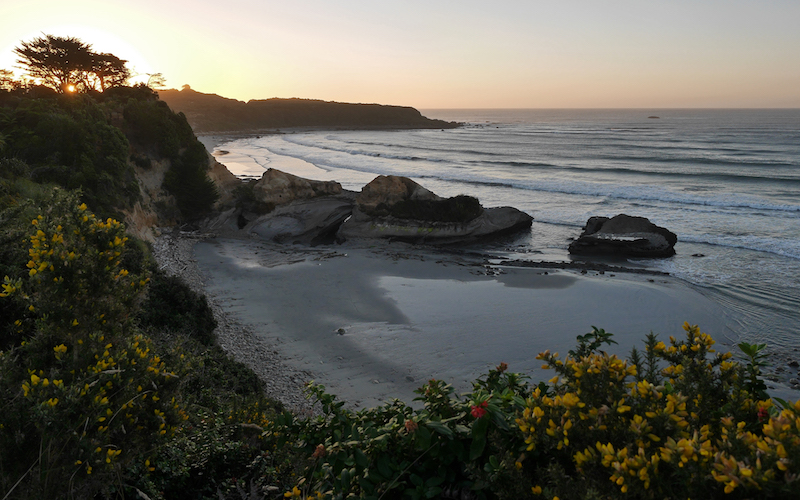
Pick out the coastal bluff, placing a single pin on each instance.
(208, 113)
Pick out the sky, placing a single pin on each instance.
(444, 54)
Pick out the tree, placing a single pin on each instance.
(155, 81)
(7, 81)
(67, 64)
(107, 70)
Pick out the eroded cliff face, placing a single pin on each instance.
(157, 208)
(225, 181)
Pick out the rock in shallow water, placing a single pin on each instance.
(624, 236)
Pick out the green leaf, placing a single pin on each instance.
(433, 492)
(440, 428)
(434, 481)
(478, 438)
(345, 477)
(384, 468)
(361, 459)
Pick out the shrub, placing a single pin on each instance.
(172, 305)
(84, 397)
(677, 422)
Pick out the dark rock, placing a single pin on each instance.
(311, 221)
(793, 364)
(393, 207)
(624, 235)
(492, 222)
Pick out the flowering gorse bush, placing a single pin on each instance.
(83, 394)
(675, 421)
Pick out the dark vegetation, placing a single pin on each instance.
(66, 64)
(93, 140)
(461, 208)
(213, 113)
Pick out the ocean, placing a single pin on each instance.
(727, 182)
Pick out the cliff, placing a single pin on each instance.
(132, 157)
(213, 113)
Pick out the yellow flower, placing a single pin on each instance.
(295, 493)
(536, 490)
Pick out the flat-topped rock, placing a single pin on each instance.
(625, 236)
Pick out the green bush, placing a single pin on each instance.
(87, 407)
(677, 422)
(84, 398)
(172, 305)
(69, 141)
(188, 181)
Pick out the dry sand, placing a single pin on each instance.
(374, 321)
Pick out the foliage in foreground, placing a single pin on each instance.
(97, 400)
(677, 421)
(101, 396)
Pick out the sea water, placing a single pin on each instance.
(727, 182)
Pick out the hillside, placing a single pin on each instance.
(132, 157)
(214, 113)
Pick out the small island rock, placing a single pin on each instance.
(625, 236)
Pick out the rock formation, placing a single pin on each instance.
(385, 204)
(624, 235)
(492, 222)
(278, 188)
(388, 190)
(311, 221)
(312, 212)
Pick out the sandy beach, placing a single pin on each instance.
(373, 321)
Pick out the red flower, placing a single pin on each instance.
(762, 414)
(502, 367)
(479, 410)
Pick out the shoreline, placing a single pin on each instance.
(373, 321)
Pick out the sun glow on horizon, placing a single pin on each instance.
(515, 54)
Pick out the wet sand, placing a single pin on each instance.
(374, 321)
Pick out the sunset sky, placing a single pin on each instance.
(445, 54)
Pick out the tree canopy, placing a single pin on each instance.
(67, 64)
